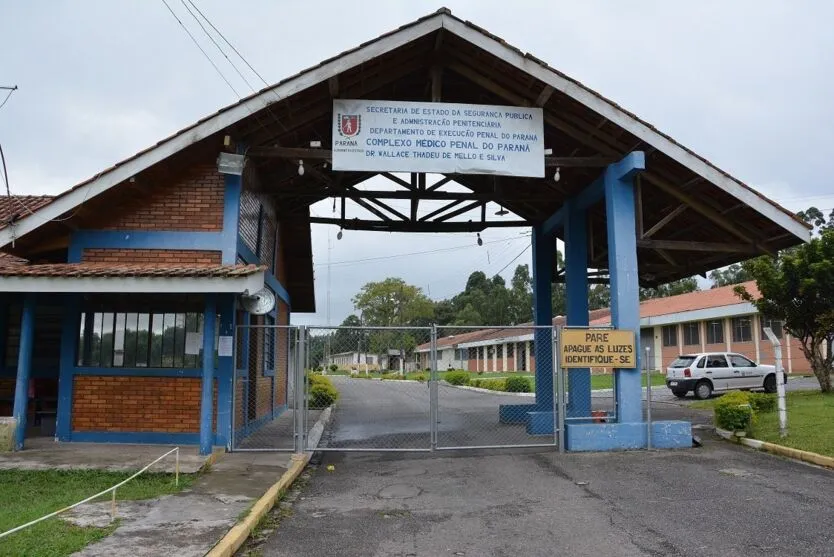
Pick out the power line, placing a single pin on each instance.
(11, 90)
(438, 250)
(211, 38)
(228, 43)
(213, 65)
(514, 258)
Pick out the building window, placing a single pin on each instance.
(775, 324)
(715, 331)
(742, 329)
(269, 346)
(691, 334)
(509, 349)
(473, 353)
(141, 340)
(670, 335)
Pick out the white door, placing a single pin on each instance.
(747, 375)
(719, 371)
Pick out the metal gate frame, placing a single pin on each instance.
(297, 377)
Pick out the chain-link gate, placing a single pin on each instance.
(265, 401)
(395, 388)
(383, 388)
(487, 396)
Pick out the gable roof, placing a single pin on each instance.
(13, 207)
(676, 174)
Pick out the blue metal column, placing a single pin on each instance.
(206, 402)
(544, 246)
(625, 287)
(24, 367)
(225, 373)
(69, 343)
(576, 284)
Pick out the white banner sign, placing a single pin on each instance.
(393, 136)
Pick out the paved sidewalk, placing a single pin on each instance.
(188, 523)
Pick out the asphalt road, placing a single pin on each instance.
(719, 500)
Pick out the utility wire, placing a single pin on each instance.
(514, 258)
(219, 48)
(425, 252)
(202, 50)
(11, 90)
(216, 30)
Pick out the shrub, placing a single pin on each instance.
(457, 378)
(518, 384)
(333, 367)
(419, 377)
(734, 412)
(390, 376)
(494, 384)
(322, 392)
(762, 402)
(476, 383)
(481, 372)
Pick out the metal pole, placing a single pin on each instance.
(433, 411)
(177, 469)
(560, 394)
(299, 393)
(780, 382)
(648, 401)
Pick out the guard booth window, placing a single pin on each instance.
(742, 329)
(141, 340)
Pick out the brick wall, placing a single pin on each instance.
(192, 202)
(137, 404)
(157, 256)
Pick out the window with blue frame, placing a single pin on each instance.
(141, 340)
(269, 346)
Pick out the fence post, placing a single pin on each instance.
(300, 388)
(648, 401)
(560, 389)
(433, 410)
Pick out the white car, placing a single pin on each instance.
(711, 372)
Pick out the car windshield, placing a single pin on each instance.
(683, 361)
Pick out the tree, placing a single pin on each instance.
(734, 274)
(815, 218)
(392, 303)
(674, 288)
(798, 288)
(599, 296)
(349, 339)
(521, 296)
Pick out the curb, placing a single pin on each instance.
(488, 391)
(781, 450)
(240, 532)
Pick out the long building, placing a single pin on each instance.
(701, 321)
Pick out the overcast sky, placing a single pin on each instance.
(746, 84)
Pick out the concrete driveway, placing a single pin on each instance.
(716, 500)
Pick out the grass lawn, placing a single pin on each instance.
(607, 381)
(27, 495)
(810, 415)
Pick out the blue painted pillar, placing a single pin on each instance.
(576, 284)
(544, 246)
(24, 368)
(622, 265)
(225, 373)
(231, 217)
(69, 343)
(206, 402)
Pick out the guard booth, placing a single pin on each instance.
(453, 121)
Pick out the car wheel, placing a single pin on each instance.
(703, 390)
(770, 384)
(679, 393)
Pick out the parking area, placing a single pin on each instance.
(719, 499)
